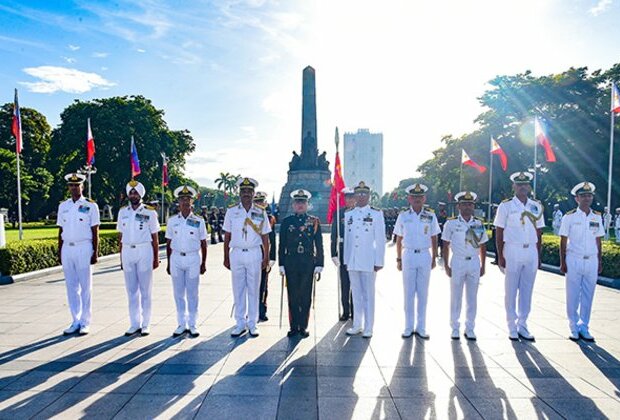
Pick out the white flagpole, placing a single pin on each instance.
(490, 176)
(461, 177)
(19, 199)
(19, 181)
(535, 157)
(611, 162)
(337, 139)
(163, 198)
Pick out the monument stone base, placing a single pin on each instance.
(318, 182)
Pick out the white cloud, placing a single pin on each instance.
(69, 60)
(141, 50)
(73, 47)
(100, 54)
(600, 7)
(62, 79)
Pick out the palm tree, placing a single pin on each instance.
(223, 182)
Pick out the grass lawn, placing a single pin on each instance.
(50, 232)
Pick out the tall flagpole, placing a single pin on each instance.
(19, 201)
(535, 158)
(611, 164)
(19, 142)
(337, 139)
(490, 175)
(461, 177)
(163, 198)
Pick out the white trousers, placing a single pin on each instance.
(78, 280)
(521, 268)
(185, 271)
(617, 235)
(363, 295)
(581, 279)
(138, 272)
(246, 271)
(465, 274)
(416, 277)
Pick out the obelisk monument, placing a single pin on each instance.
(308, 170)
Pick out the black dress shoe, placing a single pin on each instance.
(344, 317)
(304, 333)
(263, 318)
(291, 333)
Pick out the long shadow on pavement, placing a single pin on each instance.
(475, 382)
(151, 391)
(31, 348)
(559, 396)
(606, 363)
(409, 384)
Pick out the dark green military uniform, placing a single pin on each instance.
(300, 251)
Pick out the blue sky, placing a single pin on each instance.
(230, 70)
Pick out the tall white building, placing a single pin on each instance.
(363, 159)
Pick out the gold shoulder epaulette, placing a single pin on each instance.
(451, 218)
(146, 206)
(596, 212)
(506, 200)
(572, 211)
(479, 218)
(232, 205)
(375, 208)
(90, 200)
(430, 210)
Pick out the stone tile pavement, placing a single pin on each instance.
(327, 376)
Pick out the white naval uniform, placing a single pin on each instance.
(76, 220)
(137, 227)
(246, 259)
(364, 249)
(417, 231)
(607, 224)
(557, 221)
(582, 264)
(185, 236)
(521, 255)
(617, 228)
(465, 264)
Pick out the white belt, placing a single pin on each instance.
(465, 257)
(141, 244)
(582, 256)
(417, 250)
(76, 243)
(518, 245)
(246, 249)
(185, 253)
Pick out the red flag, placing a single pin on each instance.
(336, 194)
(17, 125)
(615, 98)
(90, 146)
(165, 174)
(466, 160)
(497, 150)
(543, 140)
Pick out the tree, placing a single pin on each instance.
(114, 121)
(575, 106)
(36, 179)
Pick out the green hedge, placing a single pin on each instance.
(611, 255)
(25, 256)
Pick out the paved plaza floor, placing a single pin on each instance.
(327, 376)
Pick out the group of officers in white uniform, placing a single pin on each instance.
(518, 221)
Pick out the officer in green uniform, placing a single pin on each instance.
(300, 255)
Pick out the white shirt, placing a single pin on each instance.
(241, 224)
(607, 220)
(417, 229)
(77, 218)
(582, 231)
(364, 239)
(137, 225)
(617, 221)
(455, 232)
(518, 228)
(557, 217)
(185, 234)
